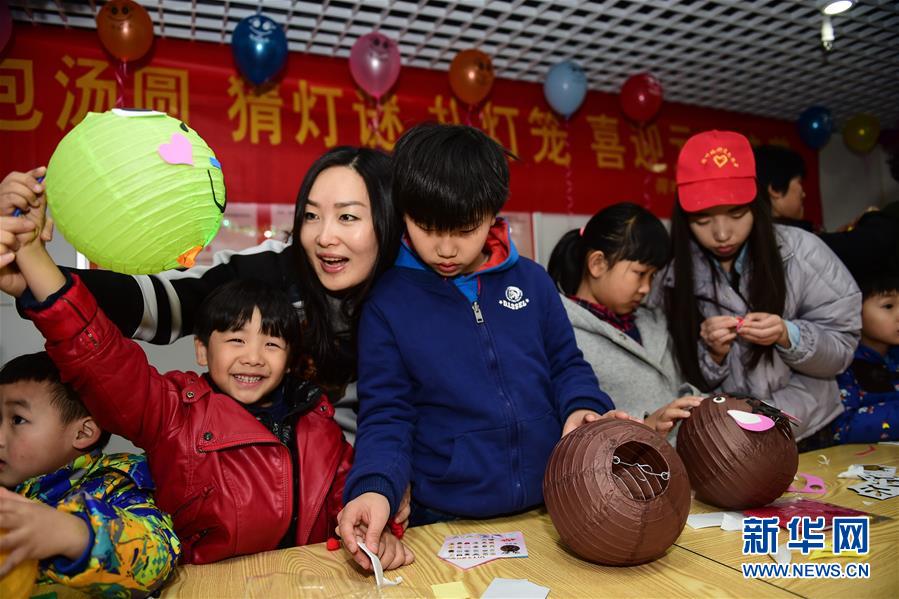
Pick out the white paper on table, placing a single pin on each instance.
(512, 588)
(857, 470)
(732, 521)
(380, 579)
(705, 520)
(783, 555)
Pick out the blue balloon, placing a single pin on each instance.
(565, 87)
(815, 126)
(260, 48)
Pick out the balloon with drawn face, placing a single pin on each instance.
(739, 453)
(375, 63)
(259, 46)
(136, 191)
(125, 29)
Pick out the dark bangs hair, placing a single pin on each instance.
(449, 177)
(767, 287)
(622, 231)
(776, 166)
(879, 283)
(231, 306)
(39, 368)
(334, 355)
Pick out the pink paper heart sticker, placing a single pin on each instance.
(751, 422)
(177, 151)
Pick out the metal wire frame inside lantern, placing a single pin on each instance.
(640, 471)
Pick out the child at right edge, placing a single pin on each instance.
(468, 368)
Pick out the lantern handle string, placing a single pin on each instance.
(643, 468)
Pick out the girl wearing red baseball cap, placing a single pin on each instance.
(755, 308)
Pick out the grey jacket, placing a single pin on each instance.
(822, 300)
(639, 378)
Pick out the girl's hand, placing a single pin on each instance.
(765, 329)
(663, 419)
(718, 334)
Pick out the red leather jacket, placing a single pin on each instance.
(226, 480)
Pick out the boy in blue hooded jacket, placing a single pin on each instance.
(468, 368)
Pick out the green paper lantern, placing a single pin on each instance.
(136, 191)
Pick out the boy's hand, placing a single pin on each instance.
(762, 328)
(11, 228)
(662, 420)
(405, 510)
(21, 190)
(393, 553)
(718, 333)
(37, 531)
(363, 517)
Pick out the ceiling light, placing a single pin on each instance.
(827, 35)
(834, 7)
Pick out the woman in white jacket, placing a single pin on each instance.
(604, 272)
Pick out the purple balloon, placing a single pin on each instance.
(5, 24)
(375, 63)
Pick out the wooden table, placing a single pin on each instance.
(725, 547)
(703, 563)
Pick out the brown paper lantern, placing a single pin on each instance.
(739, 453)
(617, 492)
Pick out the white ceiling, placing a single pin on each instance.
(758, 56)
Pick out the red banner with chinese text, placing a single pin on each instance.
(50, 77)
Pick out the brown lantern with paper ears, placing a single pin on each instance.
(740, 453)
(617, 492)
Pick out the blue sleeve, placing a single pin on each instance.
(383, 451)
(574, 381)
(793, 333)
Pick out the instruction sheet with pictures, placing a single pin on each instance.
(467, 551)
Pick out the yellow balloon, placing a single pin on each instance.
(18, 583)
(860, 133)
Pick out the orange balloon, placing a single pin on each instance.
(18, 583)
(471, 76)
(125, 29)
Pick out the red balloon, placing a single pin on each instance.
(471, 76)
(125, 29)
(641, 97)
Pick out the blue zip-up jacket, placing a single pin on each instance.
(464, 384)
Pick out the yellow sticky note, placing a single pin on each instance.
(827, 552)
(450, 590)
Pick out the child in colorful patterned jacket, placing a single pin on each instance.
(89, 516)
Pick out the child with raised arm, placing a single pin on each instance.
(468, 369)
(89, 516)
(246, 458)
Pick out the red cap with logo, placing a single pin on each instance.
(715, 168)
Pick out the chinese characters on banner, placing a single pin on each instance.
(265, 139)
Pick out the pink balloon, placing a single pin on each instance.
(375, 63)
(5, 24)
